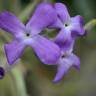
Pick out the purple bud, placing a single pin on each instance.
(2, 72)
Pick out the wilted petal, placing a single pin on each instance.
(46, 50)
(65, 64)
(9, 23)
(13, 51)
(43, 16)
(62, 12)
(77, 26)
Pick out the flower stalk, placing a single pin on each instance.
(90, 25)
(19, 81)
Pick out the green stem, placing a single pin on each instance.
(90, 25)
(19, 81)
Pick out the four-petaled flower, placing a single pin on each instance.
(67, 60)
(28, 35)
(70, 27)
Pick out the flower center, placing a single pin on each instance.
(63, 56)
(27, 34)
(66, 25)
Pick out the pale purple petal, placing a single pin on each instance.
(47, 51)
(76, 61)
(64, 64)
(67, 46)
(62, 12)
(13, 51)
(43, 16)
(9, 23)
(62, 69)
(62, 37)
(57, 24)
(77, 24)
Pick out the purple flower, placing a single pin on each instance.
(66, 61)
(70, 29)
(28, 35)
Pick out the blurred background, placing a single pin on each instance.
(29, 77)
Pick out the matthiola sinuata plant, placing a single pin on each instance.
(59, 50)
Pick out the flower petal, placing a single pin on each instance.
(65, 64)
(9, 23)
(67, 46)
(62, 12)
(75, 60)
(62, 37)
(77, 26)
(46, 50)
(13, 51)
(57, 24)
(41, 18)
